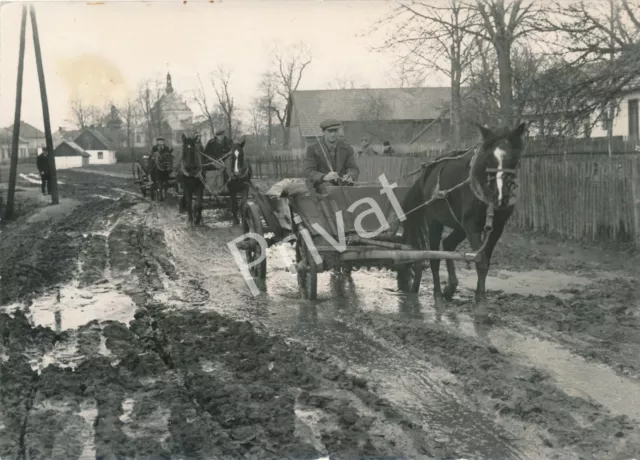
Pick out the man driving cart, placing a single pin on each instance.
(330, 159)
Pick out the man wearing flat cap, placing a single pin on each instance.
(160, 152)
(216, 148)
(330, 158)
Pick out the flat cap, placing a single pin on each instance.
(159, 138)
(220, 131)
(330, 123)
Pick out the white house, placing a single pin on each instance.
(97, 146)
(626, 122)
(70, 155)
(6, 139)
(32, 135)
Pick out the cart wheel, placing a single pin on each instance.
(307, 277)
(409, 278)
(252, 222)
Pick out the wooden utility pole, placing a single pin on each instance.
(13, 171)
(45, 108)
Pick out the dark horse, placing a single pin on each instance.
(191, 176)
(160, 166)
(235, 175)
(484, 202)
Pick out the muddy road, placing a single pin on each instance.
(125, 334)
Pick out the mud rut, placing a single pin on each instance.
(180, 361)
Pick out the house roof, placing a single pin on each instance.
(76, 150)
(173, 102)
(28, 131)
(358, 104)
(6, 136)
(105, 143)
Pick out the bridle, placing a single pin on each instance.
(197, 165)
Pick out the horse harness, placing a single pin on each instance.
(476, 187)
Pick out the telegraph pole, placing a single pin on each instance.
(13, 171)
(45, 107)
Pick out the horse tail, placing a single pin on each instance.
(415, 230)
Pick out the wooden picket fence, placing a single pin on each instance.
(586, 197)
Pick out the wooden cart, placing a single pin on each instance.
(265, 214)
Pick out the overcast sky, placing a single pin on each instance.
(103, 51)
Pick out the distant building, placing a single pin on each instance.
(97, 146)
(178, 119)
(70, 155)
(6, 140)
(398, 115)
(34, 137)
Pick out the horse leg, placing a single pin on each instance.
(189, 195)
(435, 235)
(234, 205)
(183, 198)
(482, 266)
(450, 243)
(199, 196)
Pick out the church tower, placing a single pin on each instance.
(169, 88)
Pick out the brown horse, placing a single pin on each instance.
(191, 176)
(484, 202)
(160, 166)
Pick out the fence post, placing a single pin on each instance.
(635, 191)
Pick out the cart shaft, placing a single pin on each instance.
(405, 255)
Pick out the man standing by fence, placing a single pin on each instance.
(43, 167)
(367, 149)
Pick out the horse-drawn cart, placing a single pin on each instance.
(340, 229)
(142, 178)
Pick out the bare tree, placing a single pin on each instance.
(343, 81)
(85, 115)
(208, 109)
(435, 38)
(130, 113)
(603, 42)
(220, 80)
(289, 66)
(268, 86)
(149, 102)
(503, 26)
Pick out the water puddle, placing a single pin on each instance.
(534, 282)
(72, 307)
(572, 373)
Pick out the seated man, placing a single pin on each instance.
(216, 148)
(330, 159)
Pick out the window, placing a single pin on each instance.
(634, 125)
(100, 155)
(138, 138)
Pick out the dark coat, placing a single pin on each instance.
(315, 162)
(216, 149)
(43, 164)
(163, 157)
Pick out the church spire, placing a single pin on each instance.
(169, 89)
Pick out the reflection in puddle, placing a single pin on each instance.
(71, 307)
(532, 282)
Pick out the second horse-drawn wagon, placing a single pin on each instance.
(336, 228)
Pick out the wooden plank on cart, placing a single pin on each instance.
(341, 199)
